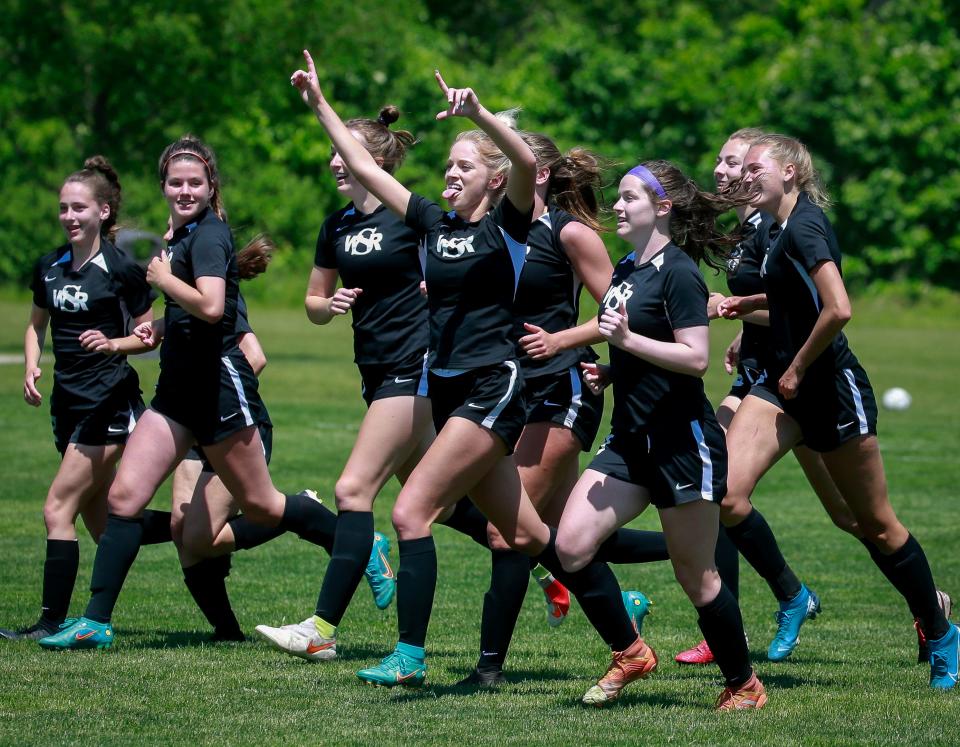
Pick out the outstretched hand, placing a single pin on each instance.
(461, 102)
(308, 83)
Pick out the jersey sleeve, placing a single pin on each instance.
(132, 286)
(326, 253)
(37, 286)
(808, 242)
(512, 221)
(685, 297)
(210, 253)
(242, 326)
(422, 214)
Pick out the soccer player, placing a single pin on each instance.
(665, 445)
(83, 291)
(816, 380)
(377, 258)
(206, 392)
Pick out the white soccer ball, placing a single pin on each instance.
(896, 398)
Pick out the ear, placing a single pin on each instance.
(379, 160)
(664, 207)
(494, 183)
(789, 171)
(104, 212)
(543, 175)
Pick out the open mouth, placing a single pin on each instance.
(452, 191)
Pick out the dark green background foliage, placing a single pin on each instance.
(871, 87)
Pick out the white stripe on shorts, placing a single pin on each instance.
(857, 401)
(495, 412)
(706, 475)
(577, 400)
(423, 386)
(238, 385)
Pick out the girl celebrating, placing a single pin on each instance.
(206, 392)
(817, 381)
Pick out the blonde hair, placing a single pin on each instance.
(748, 135)
(489, 153)
(784, 149)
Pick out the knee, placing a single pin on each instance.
(495, 540)
(352, 494)
(886, 536)
(734, 509)
(409, 522)
(574, 552)
(124, 500)
(699, 584)
(57, 514)
(261, 513)
(848, 524)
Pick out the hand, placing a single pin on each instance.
(461, 102)
(539, 344)
(789, 384)
(308, 83)
(595, 376)
(731, 358)
(31, 395)
(148, 334)
(615, 326)
(343, 300)
(734, 307)
(712, 303)
(158, 269)
(423, 288)
(95, 341)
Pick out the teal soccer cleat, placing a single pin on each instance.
(805, 606)
(638, 607)
(81, 634)
(396, 669)
(379, 573)
(945, 660)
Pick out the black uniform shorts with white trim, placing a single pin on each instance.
(749, 373)
(404, 379)
(831, 409)
(110, 422)
(213, 415)
(266, 438)
(564, 399)
(676, 466)
(491, 396)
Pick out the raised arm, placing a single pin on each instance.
(362, 165)
(521, 182)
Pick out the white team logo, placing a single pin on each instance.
(70, 298)
(733, 262)
(618, 295)
(359, 244)
(454, 248)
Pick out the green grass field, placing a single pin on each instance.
(852, 680)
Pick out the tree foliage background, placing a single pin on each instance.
(871, 87)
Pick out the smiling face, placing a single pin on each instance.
(80, 214)
(636, 212)
(467, 179)
(346, 184)
(187, 190)
(729, 166)
(767, 176)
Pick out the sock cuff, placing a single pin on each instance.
(125, 519)
(407, 649)
(746, 525)
(910, 547)
(718, 604)
(419, 546)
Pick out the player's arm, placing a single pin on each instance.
(253, 352)
(33, 341)
(324, 300)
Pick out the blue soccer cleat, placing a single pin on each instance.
(80, 634)
(805, 606)
(396, 669)
(945, 659)
(638, 607)
(379, 573)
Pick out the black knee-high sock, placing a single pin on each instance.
(416, 583)
(755, 541)
(880, 560)
(156, 527)
(247, 535)
(351, 552)
(722, 627)
(207, 584)
(727, 559)
(309, 520)
(59, 576)
(910, 575)
(469, 520)
(116, 552)
(598, 593)
(509, 578)
(627, 546)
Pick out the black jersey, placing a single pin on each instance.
(203, 248)
(662, 295)
(378, 253)
(805, 240)
(99, 295)
(548, 294)
(743, 279)
(471, 274)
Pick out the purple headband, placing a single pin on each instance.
(643, 174)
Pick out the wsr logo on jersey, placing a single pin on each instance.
(617, 295)
(70, 298)
(359, 244)
(454, 247)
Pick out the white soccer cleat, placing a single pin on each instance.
(300, 639)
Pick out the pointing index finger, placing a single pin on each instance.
(443, 86)
(311, 68)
